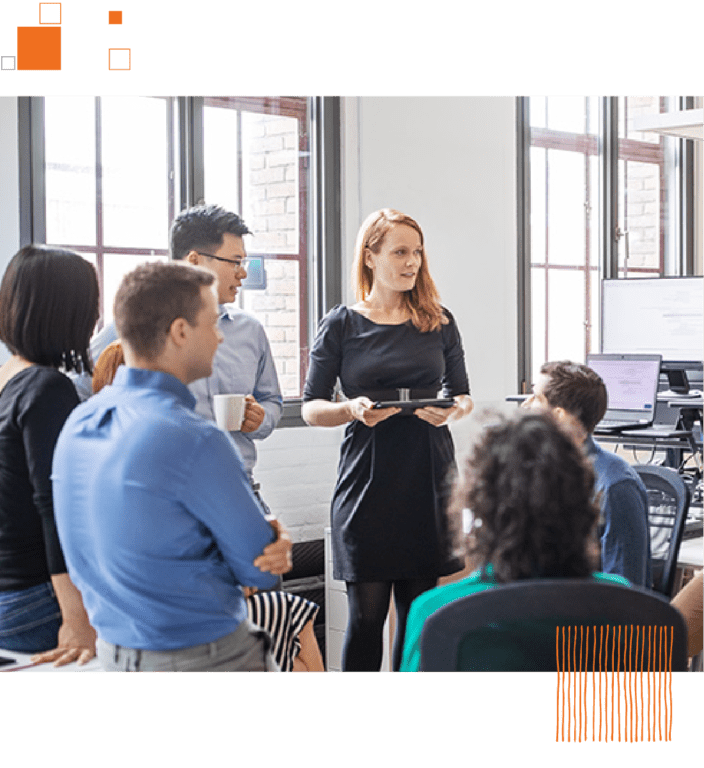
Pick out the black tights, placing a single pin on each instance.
(368, 604)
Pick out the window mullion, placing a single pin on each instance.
(32, 184)
(191, 150)
(686, 213)
(608, 187)
(99, 231)
(524, 246)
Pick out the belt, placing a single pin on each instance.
(382, 395)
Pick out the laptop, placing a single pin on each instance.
(631, 385)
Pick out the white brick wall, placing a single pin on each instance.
(297, 468)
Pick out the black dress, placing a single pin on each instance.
(389, 505)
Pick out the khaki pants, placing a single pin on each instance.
(245, 650)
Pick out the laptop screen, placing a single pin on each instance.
(631, 382)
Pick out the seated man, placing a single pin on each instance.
(577, 394)
(155, 512)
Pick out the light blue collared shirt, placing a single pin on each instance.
(156, 516)
(243, 365)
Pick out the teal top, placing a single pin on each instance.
(430, 601)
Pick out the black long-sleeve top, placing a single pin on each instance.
(34, 405)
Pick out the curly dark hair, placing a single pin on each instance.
(530, 489)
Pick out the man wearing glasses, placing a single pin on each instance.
(211, 237)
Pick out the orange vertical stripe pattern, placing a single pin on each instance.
(573, 657)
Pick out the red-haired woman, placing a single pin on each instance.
(389, 528)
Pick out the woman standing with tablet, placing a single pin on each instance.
(397, 343)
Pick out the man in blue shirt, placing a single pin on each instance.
(211, 237)
(157, 518)
(576, 393)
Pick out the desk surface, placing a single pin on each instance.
(686, 402)
(691, 553)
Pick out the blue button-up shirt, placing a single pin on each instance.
(156, 516)
(243, 365)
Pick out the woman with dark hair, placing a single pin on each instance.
(48, 309)
(389, 532)
(530, 491)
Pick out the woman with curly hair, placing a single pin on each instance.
(530, 491)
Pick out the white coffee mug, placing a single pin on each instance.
(229, 411)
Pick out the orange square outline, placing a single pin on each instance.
(114, 17)
(120, 69)
(54, 23)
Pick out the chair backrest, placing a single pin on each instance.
(668, 503)
(544, 625)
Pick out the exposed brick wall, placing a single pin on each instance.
(643, 195)
(271, 210)
(297, 468)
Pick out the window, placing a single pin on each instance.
(109, 181)
(596, 199)
(256, 160)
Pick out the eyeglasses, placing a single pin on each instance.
(239, 264)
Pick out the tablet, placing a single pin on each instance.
(411, 405)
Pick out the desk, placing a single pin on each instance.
(24, 664)
(686, 402)
(681, 439)
(691, 554)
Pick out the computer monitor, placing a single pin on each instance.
(662, 315)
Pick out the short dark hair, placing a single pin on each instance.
(530, 488)
(576, 388)
(49, 307)
(151, 297)
(203, 226)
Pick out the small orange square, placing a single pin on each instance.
(114, 17)
(38, 47)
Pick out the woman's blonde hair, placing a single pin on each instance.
(423, 300)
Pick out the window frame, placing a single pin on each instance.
(607, 151)
(323, 263)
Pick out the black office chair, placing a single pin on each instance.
(668, 503)
(518, 627)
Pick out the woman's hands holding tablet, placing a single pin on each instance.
(362, 409)
(370, 413)
(438, 416)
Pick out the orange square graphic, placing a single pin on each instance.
(38, 47)
(114, 17)
(129, 60)
(50, 23)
